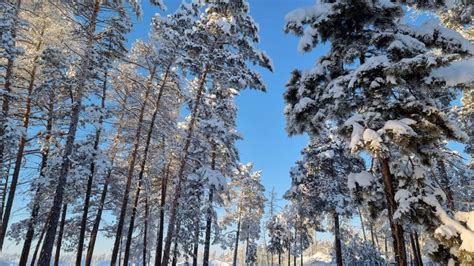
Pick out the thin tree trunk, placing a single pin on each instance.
(247, 262)
(143, 163)
(279, 257)
(372, 234)
(46, 252)
(40, 240)
(236, 247)
(6, 100)
(362, 224)
(397, 229)
(301, 245)
(414, 251)
(196, 236)
(159, 244)
(337, 240)
(131, 167)
(207, 239)
(60, 236)
(85, 213)
(145, 234)
(21, 145)
(103, 196)
(294, 257)
(289, 253)
(36, 205)
(175, 249)
(418, 249)
(177, 195)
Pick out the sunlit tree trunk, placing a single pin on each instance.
(36, 204)
(143, 164)
(177, 194)
(337, 240)
(159, 244)
(47, 249)
(397, 229)
(131, 167)
(60, 236)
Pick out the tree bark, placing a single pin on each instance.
(362, 224)
(143, 163)
(196, 236)
(47, 249)
(131, 167)
(6, 101)
(177, 195)
(85, 213)
(337, 240)
(397, 229)
(36, 204)
(207, 238)
(40, 240)
(414, 251)
(60, 236)
(21, 145)
(159, 244)
(145, 234)
(236, 247)
(103, 196)
(418, 249)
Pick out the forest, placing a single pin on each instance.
(119, 151)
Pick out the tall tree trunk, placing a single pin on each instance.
(362, 224)
(397, 229)
(294, 257)
(372, 234)
(22, 144)
(207, 238)
(40, 240)
(279, 257)
(103, 196)
(131, 167)
(414, 251)
(236, 247)
(337, 240)
(46, 252)
(289, 253)
(196, 236)
(145, 234)
(418, 249)
(6, 100)
(247, 262)
(36, 204)
(177, 194)
(90, 180)
(175, 249)
(143, 164)
(301, 244)
(159, 244)
(60, 236)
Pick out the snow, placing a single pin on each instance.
(450, 225)
(372, 139)
(372, 63)
(363, 179)
(399, 127)
(317, 13)
(356, 137)
(459, 72)
(303, 104)
(466, 217)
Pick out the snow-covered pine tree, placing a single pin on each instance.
(377, 84)
(319, 182)
(246, 208)
(220, 46)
